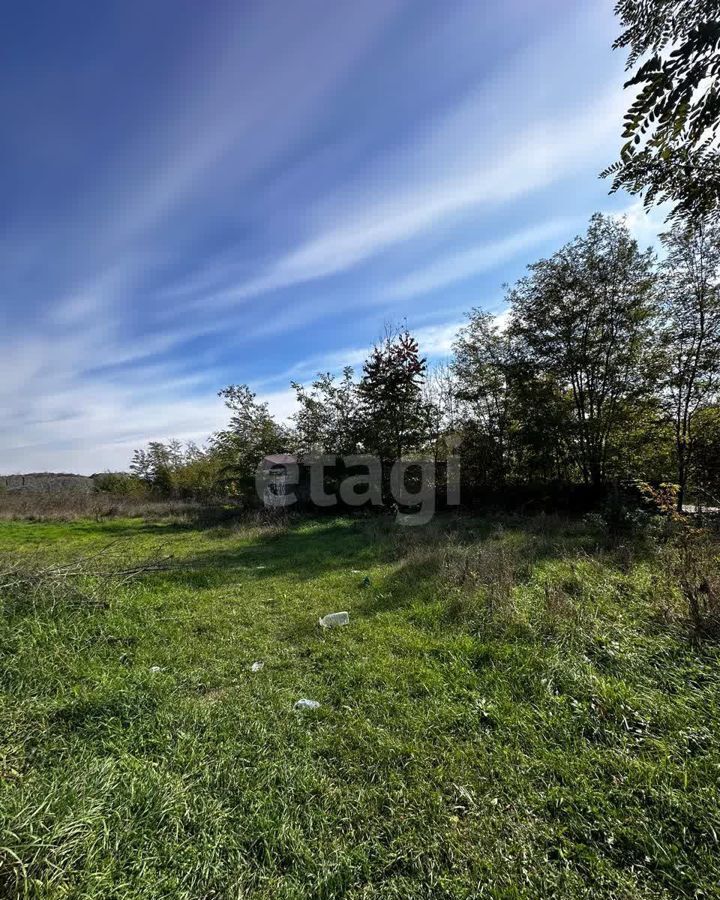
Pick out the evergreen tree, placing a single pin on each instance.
(393, 420)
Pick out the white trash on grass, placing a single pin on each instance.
(304, 703)
(334, 620)
(257, 666)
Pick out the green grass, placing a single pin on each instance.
(511, 713)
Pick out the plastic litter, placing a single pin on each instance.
(334, 620)
(304, 703)
(257, 666)
(156, 669)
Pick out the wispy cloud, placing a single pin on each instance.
(434, 341)
(251, 90)
(217, 133)
(535, 158)
(271, 170)
(454, 267)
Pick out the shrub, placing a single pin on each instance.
(120, 484)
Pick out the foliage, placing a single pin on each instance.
(175, 470)
(690, 334)
(585, 316)
(121, 484)
(517, 419)
(327, 421)
(633, 506)
(671, 128)
(251, 435)
(442, 410)
(644, 445)
(155, 464)
(693, 560)
(482, 363)
(541, 426)
(608, 369)
(706, 455)
(390, 393)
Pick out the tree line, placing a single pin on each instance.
(606, 368)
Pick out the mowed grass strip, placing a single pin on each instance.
(512, 712)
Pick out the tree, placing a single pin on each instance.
(516, 415)
(390, 395)
(584, 316)
(671, 128)
(199, 476)
(691, 332)
(185, 471)
(441, 408)
(482, 361)
(120, 483)
(541, 425)
(327, 419)
(643, 445)
(156, 465)
(251, 435)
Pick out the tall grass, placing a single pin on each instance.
(560, 566)
(70, 506)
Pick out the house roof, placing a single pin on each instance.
(279, 459)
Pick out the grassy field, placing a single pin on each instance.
(515, 710)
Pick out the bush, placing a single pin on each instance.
(121, 484)
(635, 508)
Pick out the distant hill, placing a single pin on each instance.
(47, 482)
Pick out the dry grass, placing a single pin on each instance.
(70, 506)
(477, 572)
(246, 524)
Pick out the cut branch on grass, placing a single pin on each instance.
(88, 580)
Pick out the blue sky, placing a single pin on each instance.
(196, 194)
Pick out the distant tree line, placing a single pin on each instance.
(606, 369)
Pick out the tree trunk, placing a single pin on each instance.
(682, 474)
